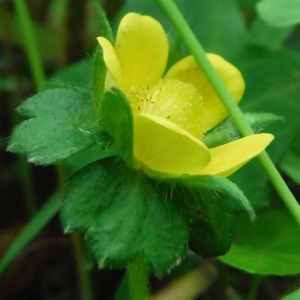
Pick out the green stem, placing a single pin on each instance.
(200, 56)
(84, 278)
(138, 279)
(256, 279)
(30, 44)
(25, 171)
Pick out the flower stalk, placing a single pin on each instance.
(197, 51)
(138, 279)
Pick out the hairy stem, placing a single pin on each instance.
(84, 278)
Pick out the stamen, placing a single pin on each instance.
(173, 100)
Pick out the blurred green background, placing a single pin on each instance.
(261, 38)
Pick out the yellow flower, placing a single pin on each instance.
(172, 112)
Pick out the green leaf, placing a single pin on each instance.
(227, 132)
(62, 122)
(269, 36)
(293, 296)
(248, 3)
(124, 215)
(76, 75)
(279, 13)
(268, 246)
(116, 118)
(271, 86)
(208, 202)
(37, 223)
(290, 164)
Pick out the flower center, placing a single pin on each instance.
(173, 100)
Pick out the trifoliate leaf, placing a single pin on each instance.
(290, 164)
(124, 214)
(227, 132)
(61, 122)
(116, 118)
(208, 202)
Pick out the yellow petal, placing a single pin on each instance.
(228, 158)
(112, 62)
(187, 70)
(173, 100)
(142, 49)
(165, 147)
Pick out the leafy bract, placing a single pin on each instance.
(32, 229)
(227, 131)
(61, 122)
(268, 246)
(116, 118)
(124, 215)
(208, 202)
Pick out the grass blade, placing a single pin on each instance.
(37, 223)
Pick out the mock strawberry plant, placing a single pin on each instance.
(161, 187)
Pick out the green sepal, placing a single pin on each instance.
(100, 70)
(124, 214)
(61, 122)
(208, 202)
(227, 132)
(99, 75)
(116, 118)
(106, 28)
